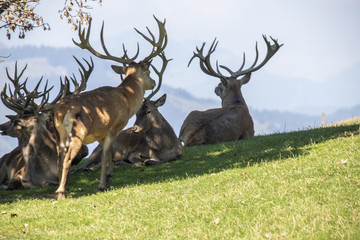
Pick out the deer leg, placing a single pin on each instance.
(72, 151)
(93, 159)
(106, 162)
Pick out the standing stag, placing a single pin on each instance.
(232, 121)
(151, 140)
(34, 162)
(100, 114)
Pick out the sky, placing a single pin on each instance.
(314, 71)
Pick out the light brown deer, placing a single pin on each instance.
(232, 121)
(100, 114)
(34, 162)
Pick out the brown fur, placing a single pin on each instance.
(232, 121)
(98, 115)
(229, 123)
(151, 140)
(34, 162)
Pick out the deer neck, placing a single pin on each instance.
(133, 87)
(233, 98)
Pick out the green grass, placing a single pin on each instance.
(299, 185)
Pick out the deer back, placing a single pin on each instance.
(217, 125)
(130, 147)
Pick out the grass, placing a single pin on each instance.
(299, 185)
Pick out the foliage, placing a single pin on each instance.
(20, 15)
(74, 14)
(299, 185)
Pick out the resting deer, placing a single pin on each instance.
(232, 121)
(100, 114)
(151, 140)
(34, 162)
(11, 164)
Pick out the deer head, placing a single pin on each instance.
(229, 87)
(145, 116)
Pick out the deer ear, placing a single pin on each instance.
(12, 117)
(223, 80)
(160, 101)
(118, 69)
(245, 79)
(46, 115)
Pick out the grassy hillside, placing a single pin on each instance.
(299, 185)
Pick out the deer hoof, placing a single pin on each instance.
(108, 180)
(137, 164)
(60, 195)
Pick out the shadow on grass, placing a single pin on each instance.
(196, 161)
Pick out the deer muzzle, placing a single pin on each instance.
(136, 129)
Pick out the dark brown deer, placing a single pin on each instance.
(151, 140)
(34, 162)
(232, 121)
(12, 164)
(100, 114)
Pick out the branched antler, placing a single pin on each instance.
(206, 67)
(21, 100)
(158, 46)
(159, 73)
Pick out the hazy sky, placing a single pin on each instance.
(315, 69)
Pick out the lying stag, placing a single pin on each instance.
(232, 121)
(100, 114)
(34, 162)
(151, 140)
(12, 164)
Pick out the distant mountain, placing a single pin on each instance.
(54, 62)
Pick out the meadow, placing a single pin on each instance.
(297, 185)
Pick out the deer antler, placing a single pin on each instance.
(22, 100)
(271, 50)
(65, 87)
(158, 46)
(160, 74)
(205, 63)
(84, 44)
(16, 99)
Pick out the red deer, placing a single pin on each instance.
(100, 114)
(151, 140)
(11, 164)
(34, 162)
(232, 121)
